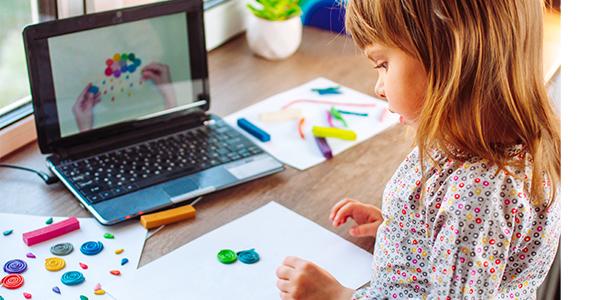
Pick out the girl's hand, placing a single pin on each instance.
(368, 217)
(161, 76)
(299, 279)
(82, 109)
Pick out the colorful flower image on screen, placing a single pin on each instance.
(121, 64)
(119, 67)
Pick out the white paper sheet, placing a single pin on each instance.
(286, 144)
(193, 271)
(39, 282)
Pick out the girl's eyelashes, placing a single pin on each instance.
(383, 65)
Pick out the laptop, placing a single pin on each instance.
(121, 103)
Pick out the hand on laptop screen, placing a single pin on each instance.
(83, 107)
(161, 76)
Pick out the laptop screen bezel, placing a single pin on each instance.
(42, 84)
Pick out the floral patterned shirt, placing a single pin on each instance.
(472, 234)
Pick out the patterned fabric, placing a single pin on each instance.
(472, 234)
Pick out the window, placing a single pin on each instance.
(14, 83)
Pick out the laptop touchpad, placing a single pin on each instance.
(253, 168)
(180, 187)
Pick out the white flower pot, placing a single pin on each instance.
(274, 40)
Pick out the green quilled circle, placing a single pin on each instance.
(227, 256)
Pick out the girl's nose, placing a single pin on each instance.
(379, 90)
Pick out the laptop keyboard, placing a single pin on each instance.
(126, 170)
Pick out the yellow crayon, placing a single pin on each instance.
(343, 134)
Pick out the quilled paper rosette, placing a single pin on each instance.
(226, 256)
(72, 278)
(15, 266)
(62, 249)
(248, 256)
(54, 264)
(91, 248)
(13, 281)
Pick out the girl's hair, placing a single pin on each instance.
(485, 86)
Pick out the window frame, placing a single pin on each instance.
(16, 112)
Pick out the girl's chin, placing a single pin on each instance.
(407, 121)
(401, 118)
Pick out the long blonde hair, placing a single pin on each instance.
(484, 67)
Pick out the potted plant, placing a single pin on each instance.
(274, 29)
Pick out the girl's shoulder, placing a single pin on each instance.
(438, 163)
(471, 179)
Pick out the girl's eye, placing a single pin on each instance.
(383, 65)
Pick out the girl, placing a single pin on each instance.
(473, 211)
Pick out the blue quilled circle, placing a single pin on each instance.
(72, 278)
(15, 266)
(91, 248)
(248, 256)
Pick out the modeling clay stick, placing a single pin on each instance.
(301, 128)
(324, 147)
(343, 134)
(328, 91)
(51, 231)
(329, 119)
(327, 102)
(252, 129)
(336, 115)
(168, 216)
(345, 112)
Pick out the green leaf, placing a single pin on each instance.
(276, 9)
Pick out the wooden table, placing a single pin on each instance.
(239, 79)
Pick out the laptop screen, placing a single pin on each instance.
(113, 74)
(99, 76)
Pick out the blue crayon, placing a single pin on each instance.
(252, 129)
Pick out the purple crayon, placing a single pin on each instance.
(324, 147)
